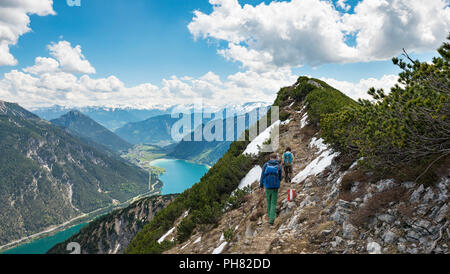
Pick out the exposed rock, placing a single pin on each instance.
(385, 185)
(249, 231)
(326, 232)
(373, 248)
(401, 247)
(408, 185)
(429, 195)
(113, 232)
(348, 230)
(442, 213)
(314, 83)
(355, 187)
(412, 236)
(387, 218)
(340, 215)
(416, 194)
(389, 237)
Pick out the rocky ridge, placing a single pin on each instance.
(338, 208)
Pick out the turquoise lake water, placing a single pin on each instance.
(43, 245)
(180, 175)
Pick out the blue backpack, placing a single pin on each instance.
(271, 179)
(288, 158)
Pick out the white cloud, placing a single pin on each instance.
(66, 89)
(60, 88)
(15, 22)
(110, 84)
(43, 65)
(343, 5)
(70, 58)
(48, 83)
(313, 32)
(359, 90)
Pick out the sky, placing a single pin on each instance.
(152, 53)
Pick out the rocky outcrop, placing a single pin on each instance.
(112, 233)
(331, 213)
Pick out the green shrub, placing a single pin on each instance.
(410, 125)
(284, 116)
(228, 234)
(238, 197)
(184, 229)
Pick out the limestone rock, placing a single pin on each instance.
(374, 248)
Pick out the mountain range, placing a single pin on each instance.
(111, 118)
(49, 176)
(209, 152)
(78, 124)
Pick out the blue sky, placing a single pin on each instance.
(138, 41)
(146, 41)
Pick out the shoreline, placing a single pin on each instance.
(88, 217)
(187, 161)
(50, 231)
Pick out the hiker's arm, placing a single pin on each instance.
(280, 173)
(261, 180)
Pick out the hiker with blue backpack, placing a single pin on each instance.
(288, 158)
(270, 180)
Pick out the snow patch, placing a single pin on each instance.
(253, 147)
(252, 176)
(117, 248)
(183, 247)
(315, 167)
(303, 121)
(286, 122)
(165, 235)
(318, 143)
(198, 240)
(356, 163)
(220, 248)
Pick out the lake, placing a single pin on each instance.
(180, 175)
(43, 245)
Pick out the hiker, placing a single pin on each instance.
(270, 179)
(288, 158)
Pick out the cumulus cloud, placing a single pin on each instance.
(313, 32)
(66, 89)
(15, 22)
(359, 90)
(70, 58)
(43, 65)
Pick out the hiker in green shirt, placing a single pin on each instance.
(270, 180)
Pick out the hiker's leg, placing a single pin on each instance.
(290, 173)
(268, 202)
(286, 174)
(273, 205)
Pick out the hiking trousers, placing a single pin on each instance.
(287, 173)
(272, 198)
